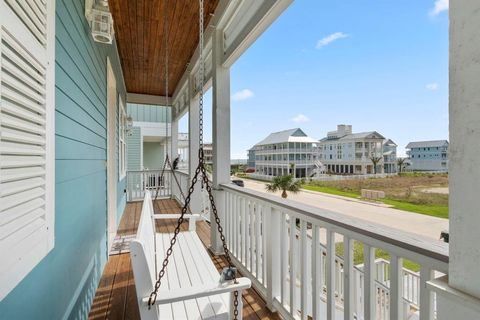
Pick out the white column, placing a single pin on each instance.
(193, 146)
(464, 175)
(173, 155)
(174, 133)
(464, 150)
(221, 133)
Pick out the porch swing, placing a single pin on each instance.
(190, 286)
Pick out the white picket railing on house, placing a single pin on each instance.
(140, 180)
(259, 234)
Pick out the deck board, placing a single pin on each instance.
(116, 297)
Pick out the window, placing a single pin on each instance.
(27, 124)
(122, 145)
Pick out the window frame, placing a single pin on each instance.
(122, 144)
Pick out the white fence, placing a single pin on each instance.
(152, 180)
(288, 250)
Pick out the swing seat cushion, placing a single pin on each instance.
(190, 268)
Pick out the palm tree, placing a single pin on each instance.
(284, 184)
(375, 160)
(402, 163)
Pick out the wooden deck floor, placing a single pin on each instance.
(116, 297)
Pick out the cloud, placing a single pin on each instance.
(330, 38)
(242, 95)
(440, 6)
(300, 118)
(432, 86)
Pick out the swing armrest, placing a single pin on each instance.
(199, 291)
(193, 218)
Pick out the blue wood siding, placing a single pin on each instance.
(134, 150)
(148, 113)
(63, 284)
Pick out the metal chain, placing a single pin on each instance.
(201, 76)
(165, 33)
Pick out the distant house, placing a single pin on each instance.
(251, 159)
(208, 153)
(286, 152)
(344, 152)
(389, 156)
(428, 155)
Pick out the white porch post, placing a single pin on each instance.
(174, 153)
(221, 134)
(460, 297)
(193, 146)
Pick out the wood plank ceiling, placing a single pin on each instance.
(139, 32)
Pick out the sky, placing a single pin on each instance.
(379, 65)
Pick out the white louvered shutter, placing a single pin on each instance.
(26, 137)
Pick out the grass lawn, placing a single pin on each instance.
(431, 210)
(379, 253)
(330, 190)
(423, 203)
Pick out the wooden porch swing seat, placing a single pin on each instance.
(191, 288)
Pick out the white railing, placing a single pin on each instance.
(184, 182)
(140, 180)
(273, 241)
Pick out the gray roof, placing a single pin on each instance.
(291, 135)
(390, 142)
(360, 135)
(427, 144)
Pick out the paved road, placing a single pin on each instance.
(403, 220)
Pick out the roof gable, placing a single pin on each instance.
(427, 144)
(291, 135)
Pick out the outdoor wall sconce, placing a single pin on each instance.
(100, 20)
(128, 125)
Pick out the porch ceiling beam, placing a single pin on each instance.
(246, 25)
(148, 99)
(241, 23)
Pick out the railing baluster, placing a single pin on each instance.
(316, 272)
(272, 220)
(248, 203)
(396, 287)
(283, 258)
(293, 259)
(330, 274)
(239, 226)
(369, 294)
(349, 279)
(426, 296)
(230, 219)
(258, 242)
(242, 231)
(264, 244)
(303, 269)
(252, 234)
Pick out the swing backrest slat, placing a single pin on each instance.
(142, 253)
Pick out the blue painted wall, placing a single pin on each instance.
(63, 284)
(148, 113)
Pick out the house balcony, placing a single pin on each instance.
(273, 241)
